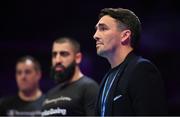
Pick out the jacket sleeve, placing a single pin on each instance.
(147, 91)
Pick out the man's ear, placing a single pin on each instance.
(125, 37)
(39, 75)
(78, 57)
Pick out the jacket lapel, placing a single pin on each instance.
(98, 102)
(113, 88)
(121, 70)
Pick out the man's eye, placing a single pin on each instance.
(64, 54)
(102, 28)
(18, 72)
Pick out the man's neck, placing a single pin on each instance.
(118, 56)
(77, 74)
(30, 95)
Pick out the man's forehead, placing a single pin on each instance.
(27, 63)
(62, 47)
(104, 20)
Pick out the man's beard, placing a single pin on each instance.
(65, 75)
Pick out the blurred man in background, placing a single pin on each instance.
(133, 85)
(28, 101)
(75, 93)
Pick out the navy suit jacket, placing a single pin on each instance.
(138, 89)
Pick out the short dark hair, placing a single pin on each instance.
(75, 44)
(128, 19)
(36, 63)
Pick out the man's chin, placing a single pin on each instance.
(100, 53)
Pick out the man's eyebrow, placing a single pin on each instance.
(64, 51)
(99, 25)
(59, 51)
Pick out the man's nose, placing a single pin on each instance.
(23, 76)
(58, 59)
(96, 36)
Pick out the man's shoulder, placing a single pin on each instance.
(8, 100)
(85, 81)
(141, 68)
(135, 61)
(143, 64)
(89, 86)
(88, 81)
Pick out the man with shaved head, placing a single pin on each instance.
(28, 101)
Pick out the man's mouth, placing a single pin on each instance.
(98, 44)
(59, 69)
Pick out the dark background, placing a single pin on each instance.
(28, 28)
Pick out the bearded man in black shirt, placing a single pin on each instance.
(75, 93)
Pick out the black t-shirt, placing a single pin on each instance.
(14, 106)
(77, 98)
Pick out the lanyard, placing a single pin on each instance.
(104, 96)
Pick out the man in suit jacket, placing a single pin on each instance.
(133, 85)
